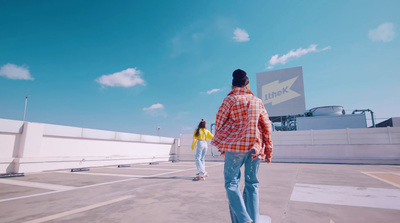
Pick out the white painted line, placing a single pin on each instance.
(112, 182)
(133, 168)
(349, 196)
(160, 174)
(95, 185)
(119, 181)
(35, 173)
(28, 196)
(396, 173)
(88, 186)
(37, 185)
(185, 165)
(132, 179)
(105, 174)
(154, 169)
(79, 210)
(180, 164)
(265, 219)
(189, 165)
(381, 179)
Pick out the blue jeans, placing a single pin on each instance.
(200, 154)
(243, 208)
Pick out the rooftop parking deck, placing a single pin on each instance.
(166, 193)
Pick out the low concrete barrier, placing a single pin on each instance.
(32, 147)
(348, 146)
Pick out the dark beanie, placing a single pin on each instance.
(240, 78)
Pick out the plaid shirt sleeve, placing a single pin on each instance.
(223, 113)
(266, 129)
(221, 119)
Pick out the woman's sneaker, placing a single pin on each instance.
(203, 174)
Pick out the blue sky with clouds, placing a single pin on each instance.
(131, 66)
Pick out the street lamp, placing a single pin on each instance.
(26, 103)
(158, 129)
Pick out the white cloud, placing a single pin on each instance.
(156, 110)
(12, 71)
(275, 59)
(240, 35)
(213, 91)
(326, 48)
(126, 78)
(154, 107)
(384, 32)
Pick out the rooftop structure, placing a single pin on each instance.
(282, 92)
(391, 122)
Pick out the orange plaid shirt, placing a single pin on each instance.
(242, 124)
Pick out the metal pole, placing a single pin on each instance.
(212, 128)
(158, 128)
(373, 120)
(26, 103)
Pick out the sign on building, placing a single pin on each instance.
(282, 91)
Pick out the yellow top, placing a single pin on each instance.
(204, 134)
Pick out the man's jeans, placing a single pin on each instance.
(200, 154)
(242, 208)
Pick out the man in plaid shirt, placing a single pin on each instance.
(243, 136)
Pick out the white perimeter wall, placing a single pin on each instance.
(352, 146)
(32, 147)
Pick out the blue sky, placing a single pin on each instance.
(131, 66)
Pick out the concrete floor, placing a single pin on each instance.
(289, 193)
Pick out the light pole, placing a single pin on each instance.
(158, 129)
(26, 103)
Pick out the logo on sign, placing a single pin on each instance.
(276, 92)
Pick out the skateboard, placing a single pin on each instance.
(198, 178)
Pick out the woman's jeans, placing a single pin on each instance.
(200, 154)
(242, 208)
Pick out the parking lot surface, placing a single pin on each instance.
(165, 192)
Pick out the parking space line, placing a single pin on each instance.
(106, 183)
(136, 168)
(153, 169)
(132, 179)
(105, 174)
(79, 210)
(183, 165)
(29, 196)
(346, 195)
(385, 177)
(37, 185)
